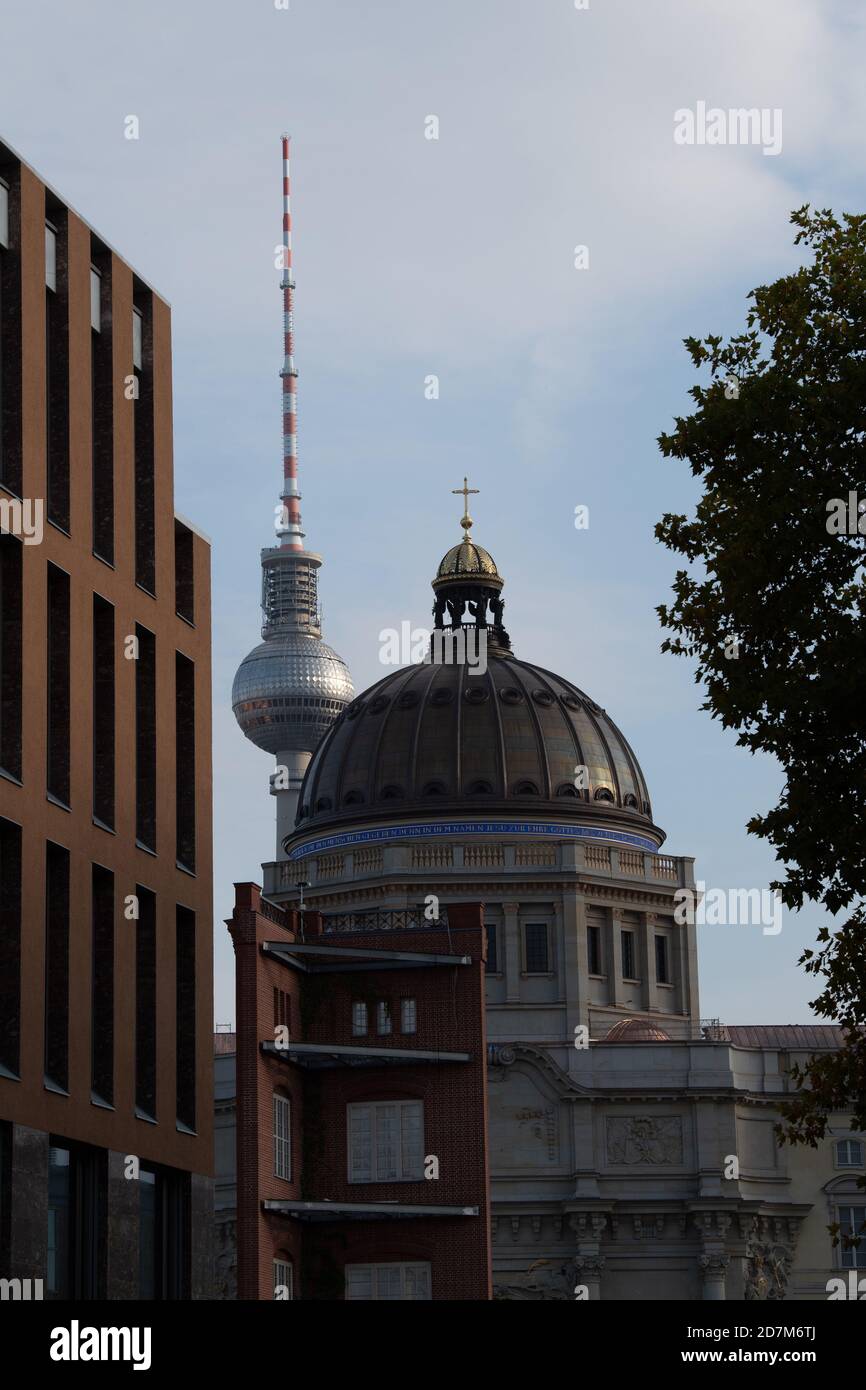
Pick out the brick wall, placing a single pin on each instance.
(450, 1018)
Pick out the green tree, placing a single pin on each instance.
(771, 608)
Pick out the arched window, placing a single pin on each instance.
(604, 794)
(283, 1276)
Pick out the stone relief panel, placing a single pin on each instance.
(524, 1124)
(633, 1140)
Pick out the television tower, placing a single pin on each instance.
(290, 689)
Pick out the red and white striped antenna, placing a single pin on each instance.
(289, 529)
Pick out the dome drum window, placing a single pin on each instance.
(604, 794)
(510, 695)
(435, 789)
(476, 694)
(355, 797)
(542, 697)
(525, 789)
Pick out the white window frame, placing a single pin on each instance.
(377, 1274)
(384, 1021)
(855, 1257)
(849, 1145)
(282, 1136)
(284, 1279)
(360, 1021)
(377, 1169)
(408, 1016)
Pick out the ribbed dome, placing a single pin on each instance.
(632, 1030)
(468, 560)
(436, 738)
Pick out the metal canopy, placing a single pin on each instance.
(321, 1055)
(361, 1211)
(340, 958)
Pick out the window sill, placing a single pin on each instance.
(185, 1129)
(143, 1115)
(184, 868)
(58, 526)
(98, 1101)
(101, 825)
(144, 589)
(8, 1075)
(53, 1087)
(56, 801)
(190, 622)
(145, 849)
(109, 564)
(10, 777)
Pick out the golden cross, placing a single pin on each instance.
(465, 492)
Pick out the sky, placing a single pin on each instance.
(455, 257)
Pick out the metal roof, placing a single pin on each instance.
(795, 1036)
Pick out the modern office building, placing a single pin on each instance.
(106, 1091)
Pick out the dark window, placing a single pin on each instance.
(102, 999)
(5, 1198)
(184, 716)
(57, 965)
(57, 371)
(185, 995)
(593, 941)
(492, 962)
(76, 1222)
(662, 960)
(537, 954)
(10, 341)
(103, 711)
(184, 571)
(10, 655)
(58, 684)
(145, 738)
(10, 947)
(164, 1234)
(145, 557)
(102, 418)
(628, 956)
(145, 1004)
(282, 1009)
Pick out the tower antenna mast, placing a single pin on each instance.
(289, 529)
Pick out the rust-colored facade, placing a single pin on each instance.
(362, 1152)
(105, 780)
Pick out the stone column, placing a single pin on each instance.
(648, 961)
(713, 1267)
(588, 1270)
(511, 933)
(588, 1261)
(613, 953)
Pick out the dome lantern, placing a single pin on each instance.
(467, 579)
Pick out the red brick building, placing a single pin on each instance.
(361, 1104)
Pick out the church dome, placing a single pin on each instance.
(435, 737)
(502, 737)
(467, 560)
(635, 1030)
